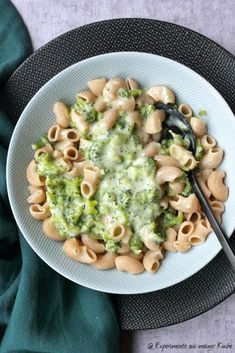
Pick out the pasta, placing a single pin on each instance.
(218, 209)
(46, 149)
(71, 153)
(161, 94)
(169, 243)
(38, 196)
(106, 183)
(144, 99)
(168, 174)
(97, 86)
(124, 249)
(79, 252)
(176, 187)
(212, 158)
(50, 230)
(109, 119)
(129, 264)
(167, 160)
(198, 126)
(185, 230)
(207, 142)
(151, 260)
(39, 212)
(106, 261)
(186, 159)
(79, 121)
(32, 175)
(185, 109)
(193, 217)
(200, 233)
(71, 135)
(62, 114)
(87, 96)
(185, 204)
(203, 185)
(92, 244)
(151, 149)
(54, 133)
(132, 84)
(216, 185)
(153, 123)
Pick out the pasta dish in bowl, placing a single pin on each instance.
(104, 181)
(112, 193)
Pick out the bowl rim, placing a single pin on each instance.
(19, 224)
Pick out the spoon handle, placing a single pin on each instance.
(222, 237)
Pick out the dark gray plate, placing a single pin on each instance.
(216, 281)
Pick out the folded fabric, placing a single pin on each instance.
(40, 311)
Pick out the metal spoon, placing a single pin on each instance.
(176, 122)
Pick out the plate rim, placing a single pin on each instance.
(31, 102)
(85, 26)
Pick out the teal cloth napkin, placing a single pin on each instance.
(40, 311)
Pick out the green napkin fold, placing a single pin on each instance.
(40, 311)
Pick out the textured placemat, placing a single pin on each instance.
(216, 281)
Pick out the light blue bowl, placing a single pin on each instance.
(37, 117)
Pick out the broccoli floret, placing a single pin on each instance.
(141, 198)
(136, 244)
(86, 223)
(150, 163)
(121, 122)
(86, 109)
(43, 141)
(73, 211)
(202, 112)
(171, 220)
(60, 185)
(93, 151)
(124, 198)
(146, 110)
(72, 186)
(199, 150)
(124, 93)
(66, 203)
(152, 227)
(187, 188)
(135, 140)
(80, 104)
(158, 237)
(90, 207)
(64, 228)
(73, 125)
(47, 165)
(55, 184)
(179, 139)
(109, 197)
(154, 234)
(100, 115)
(57, 208)
(154, 195)
(135, 92)
(149, 196)
(112, 246)
(109, 105)
(165, 146)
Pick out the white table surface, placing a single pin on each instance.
(46, 19)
